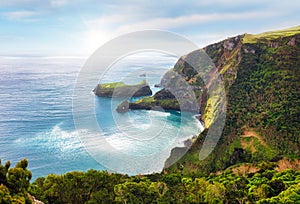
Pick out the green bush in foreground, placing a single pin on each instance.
(264, 186)
(14, 183)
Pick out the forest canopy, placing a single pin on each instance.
(264, 186)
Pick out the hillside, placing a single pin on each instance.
(262, 79)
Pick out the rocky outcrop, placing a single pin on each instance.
(120, 90)
(180, 91)
(164, 94)
(123, 107)
(175, 154)
(162, 100)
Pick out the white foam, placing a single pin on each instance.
(159, 113)
(56, 138)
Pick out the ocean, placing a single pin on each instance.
(36, 117)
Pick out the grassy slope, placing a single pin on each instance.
(119, 85)
(250, 38)
(112, 85)
(262, 80)
(120, 89)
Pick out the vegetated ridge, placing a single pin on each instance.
(261, 74)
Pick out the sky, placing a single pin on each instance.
(79, 27)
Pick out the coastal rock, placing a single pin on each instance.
(123, 107)
(140, 106)
(176, 153)
(178, 94)
(120, 89)
(167, 101)
(143, 91)
(162, 100)
(163, 94)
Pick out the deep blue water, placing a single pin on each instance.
(36, 119)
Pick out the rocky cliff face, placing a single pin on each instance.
(262, 78)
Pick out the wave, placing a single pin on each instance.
(55, 139)
(159, 113)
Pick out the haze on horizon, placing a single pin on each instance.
(72, 28)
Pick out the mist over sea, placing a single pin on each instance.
(36, 119)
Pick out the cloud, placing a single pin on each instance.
(232, 2)
(174, 23)
(107, 20)
(100, 30)
(94, 22)
(58, 3)
(177, 22)
(15, 2)
(20, 15)
(36, 3)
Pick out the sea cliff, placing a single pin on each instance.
(261, 78)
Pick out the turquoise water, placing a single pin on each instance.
(36, 118)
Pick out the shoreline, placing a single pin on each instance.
(183, 146)
(187, 142)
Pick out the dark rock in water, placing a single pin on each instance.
(143, 91)
(149, 103)
(198, 117)
(140, 106)
(157, 85)
(162, 100)
(123, 107)
(163, 94)
(120, 89)
(166, 101)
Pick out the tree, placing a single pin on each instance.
(215, 193)
(277, 187)
(132, 192)
(5, 196)
(262, 192)
(14, 182)
(3, 172)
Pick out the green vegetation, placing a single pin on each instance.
(265, 185)
(14, 183)
(119, 84)
(152, 103)
(250, 38)
(252, 161)
(163, 99)
(261, 81)
(113, 85)
(146, 100)
(120, 89)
